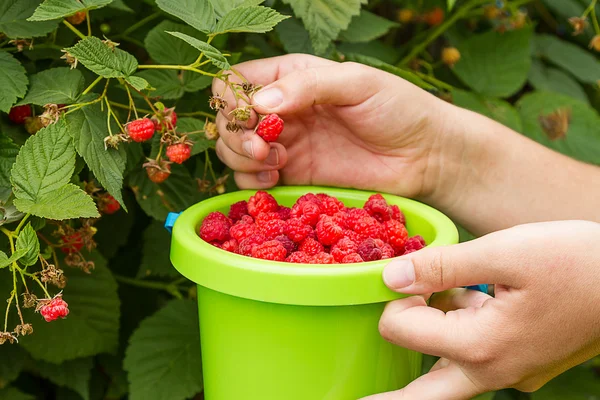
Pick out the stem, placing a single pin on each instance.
(72, 28)
(183, 67)
(123, 106)
(21, 224)
(12, 294)
(171, 288)
(197, 113)
(434, 81)
(39, 46)
(111, 112)
(210, 167)
(137, 25)
(595, 21)
(131, 104)
(16, 294)
(197, 62)
(87, 90)
(89, 24)
(590, 8)
(160, 150)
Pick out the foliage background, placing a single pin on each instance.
(132, 331)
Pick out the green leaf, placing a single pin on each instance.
(88, 127)
(222, 7)
(56, 85)
(121, 6)
(112, 366)
(495, 64)
(54, 9)
(137, 82)
(157, 200)
(214, 55)
(166, 83)
(13, 19)
(294, 37)
(13, 360)
(163, 358)
(580, 63)
(201, 143)
(29, 242)
(256, 19)
(325, 19)
(199, 14)
(485, 396)
(13, 81)
(8, 155)
(102, 60)
(366, 27)
(92, 326)
(41, 173)
(166, 49)
(11, 393)
(155, 253)
(495, 109)
(73, 374)
(578, 383)
(451, 4)
(582, 140)
(5, 261)
(551, 79)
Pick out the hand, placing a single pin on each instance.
(346, 125)
(544, 319)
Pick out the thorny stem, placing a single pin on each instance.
(171, 288)
(89, 88)
(89, 24)
(72, 28)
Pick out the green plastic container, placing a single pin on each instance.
(277, 331)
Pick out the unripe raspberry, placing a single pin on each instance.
(450, 56)
(595, 43)
(76, 18)
(405, 15)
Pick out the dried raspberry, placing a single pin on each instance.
(322, 258)
(273, 228)
(311, 247)
(18, 114)
(215, 227)
(368, 227)
(262, 202)
(297, 230)
(72, 243)
(397, 235)
(241, 231)
(284, 213)
(238, 210)
(369, 251)
(413, 244)
(289, 245)
(342, 248)
(77, 18)
(270, 127)
(230, 245)
(308, 212)
(352, 258)
(397, 214)
(378, 208)
(353, 215)
(271, 250)
(178, 153)
(330, 205)
(165, 120)
(108, 204)
(54, 309)
(250, 242)
(328, 231)
(299, 257)
(140, 130)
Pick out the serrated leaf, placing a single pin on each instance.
(73, 374)
(551, 79)
(256, 19)
(495, 109)
(137, 82)
(5, 261)
(155, 253)
(28, 241)
(214, 55)
(102, 60)
(199, 14)
(67, 202)
(222, 7)
(13, 81)
(495, 64)
(163, 358)
(54, 9)
(157, 200)
(201, 143)
(56, 85)
(166, 83)
(92, 326)
(578, 383)
(582, 139)
(13, 19)
(11, 393)
(367, 27)
(166, 49)
(325, 19)
(88, 127)
(294, 37)
(13, 360)
(580, 63)
(8, 155)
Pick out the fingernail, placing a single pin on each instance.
(264, 176)
(248, 148)
(273, 158)
(399, 274)
(268, 98)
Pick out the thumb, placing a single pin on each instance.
(340, 84)
(481, 261)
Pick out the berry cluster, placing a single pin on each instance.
(318, 229)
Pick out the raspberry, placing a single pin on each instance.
(265, 217)
(378, 208)
(178, 153)
(352, 258)
(289, 245)
(330, 205)
(77, 18)
(369, 251)
(238, 210)
(353, 215)
(18, 114)
(271, 250)
(434, 17)
(308, 197)
(322, 258)
(230, 245)
(241, 231)
(386, 250)
(250, 242)
(368, 227)
(342, 248)
(262, 202)
(54, 309)
(284, 213)
(340, 219)
(215, 227)
(311, 247)
(108, 204)
(273, 228)
(270, 128)
(328, 231)
(165, 120)
(140, 130)
(398, 215)
(308, 212)
(397, 235)
(450, 56)
(159, 174)
(413, 244)
(297, 230)
(355, 237)
(299, 257)
(72, 243)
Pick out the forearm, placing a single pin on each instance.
(498, 178)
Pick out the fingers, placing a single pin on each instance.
(245, 142)
(260, 180)
(455, 299)
(276, 158)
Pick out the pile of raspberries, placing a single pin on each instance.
(318, 229)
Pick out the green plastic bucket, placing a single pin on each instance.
(277, 331)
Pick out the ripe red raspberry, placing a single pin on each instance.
(352, 258)
(271, 250)
(215, 227)
(241, 231)
(284, 213)
(230, 245)
(265, 217)
(159, 174)
(378, 208)
(273, 228)
(238, 210)
(18, 114)
(397, 235)
(330, 205)
(299, 257)
(270, 128)
(297, 230)
(250, 242)
(369, 251)
(262, 202)
(386, 250)
(340, 218)
(328, 231)
(322, 258)
(308, 212)
(397, 214)
(308, 197)
(289, 245)
(311, 247)
(108, 204)
(355, 237)
(140, 130)
(342, 248)
(165, 120)
(178, 153)
(72, 243)
(353, 215)
(54, 309)
(413, 244)
(368, 227)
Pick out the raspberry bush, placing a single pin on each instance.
(107, 124)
